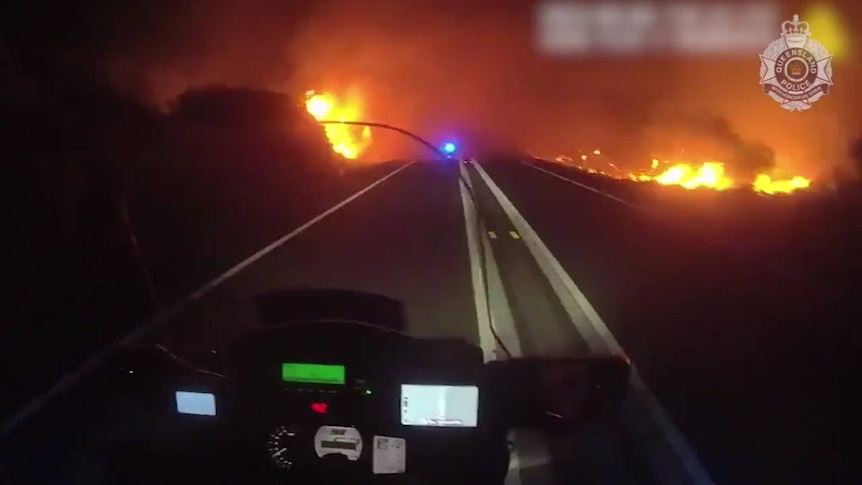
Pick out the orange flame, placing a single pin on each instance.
(708, 175)
(348, 141)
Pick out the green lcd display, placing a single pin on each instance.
(312, 373)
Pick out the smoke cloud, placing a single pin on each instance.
(447, 68)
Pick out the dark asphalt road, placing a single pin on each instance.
(739, 348)
(92, 314)
(714, 351)
(404, 239)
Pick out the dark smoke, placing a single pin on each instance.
(671, 135)
(437, 66)
(746, 158)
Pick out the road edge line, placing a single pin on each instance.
(36, 404)
(477, 239)
(501, 318)
(551, 267)
(480, 290)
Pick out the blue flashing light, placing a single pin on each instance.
(449, 147)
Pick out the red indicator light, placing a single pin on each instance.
(319, 407)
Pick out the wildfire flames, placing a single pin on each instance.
(352, 141)
(348, 141)
(708, 175)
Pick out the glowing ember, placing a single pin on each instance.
(764, 183)
(348, 141)
(708, 175)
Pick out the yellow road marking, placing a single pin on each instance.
(492, 234)
(514, 235)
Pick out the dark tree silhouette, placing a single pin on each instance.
(239, 108)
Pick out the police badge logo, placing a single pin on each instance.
(795, 70)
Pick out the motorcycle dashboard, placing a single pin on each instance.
(341, 372)
(440, 405)
(420, 404)
(312, 373)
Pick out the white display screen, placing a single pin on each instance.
(443, 406)
(200, 403)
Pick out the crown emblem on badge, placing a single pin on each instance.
(795, 32)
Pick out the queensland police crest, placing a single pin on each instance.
(795, 70)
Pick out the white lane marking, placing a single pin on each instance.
(514, 475)
(491, 300)
(531, 453)
(530, 449)
(631, 205)
(480, 292)
(37, 403)
(600, 339)
(723, 244)
(585, 186)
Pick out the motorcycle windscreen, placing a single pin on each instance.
(286, 306)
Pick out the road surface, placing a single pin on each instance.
(561, 261)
